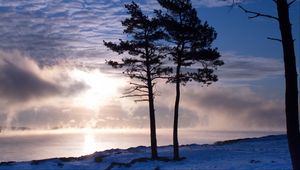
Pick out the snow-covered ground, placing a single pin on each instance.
(266, 153)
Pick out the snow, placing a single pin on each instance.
(267, 153)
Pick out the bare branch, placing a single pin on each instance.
(141, 77)
(289, 4)
(135, 88)
(131, 90)
(275, 39)
(135, 95)
(141, 100)
(161, 77)
(257, 14)
(143, 91)
(139, 85)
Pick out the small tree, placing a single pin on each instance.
(291, 91)
(190, 50)
(145, 62)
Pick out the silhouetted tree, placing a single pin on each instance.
(189, 49)
(291, 91)
(145, 63)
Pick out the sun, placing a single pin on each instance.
(100, 88)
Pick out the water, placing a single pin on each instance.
(32, 145)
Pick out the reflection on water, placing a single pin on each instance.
(89, 145)
(30, 145)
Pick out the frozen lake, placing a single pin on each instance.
(32, 145)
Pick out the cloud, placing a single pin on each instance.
(25, 85)
(55, 29)
(20, 84)
(22, 80)
(49, 30)
(235, 108)
(207, 108)
(248, 68)
(214, 3)
(48, 117)
(30, 94)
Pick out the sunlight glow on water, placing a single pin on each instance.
(89, 142)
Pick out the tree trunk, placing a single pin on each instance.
(291, 93)
(176, 110)
(152, 123)
(151, 111)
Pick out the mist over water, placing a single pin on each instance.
(32, 145)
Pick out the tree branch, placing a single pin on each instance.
(141, 100)
(275, 39)
(136, 88)
(143, 91)
(139, 85)
(135, 95)
(289, 4)
(131, 90)
(161, 77)
(257, 14)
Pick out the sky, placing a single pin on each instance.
(53, 72)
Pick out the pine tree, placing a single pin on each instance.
(189, 47)
(144, 65)
(291, 84)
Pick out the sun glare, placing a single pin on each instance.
(89, 145)
(101, 88)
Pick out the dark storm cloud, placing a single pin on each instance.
(19, 84)
(22, 80)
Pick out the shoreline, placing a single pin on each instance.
(139, 156)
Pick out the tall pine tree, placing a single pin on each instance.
(145, 62)
(189, 42)
(291, 77)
